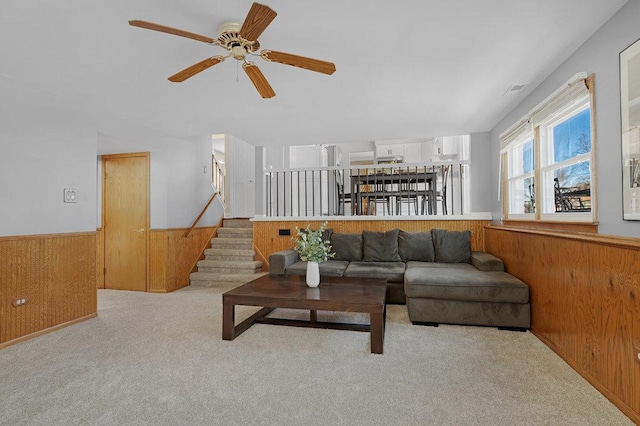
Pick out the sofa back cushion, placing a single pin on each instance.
(452, 246)
(346, 246)
(326, 234)
(416, 246)
(380, 246)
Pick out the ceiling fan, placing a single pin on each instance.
(241, 41)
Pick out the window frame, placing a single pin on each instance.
(540, 123)
(526, 137)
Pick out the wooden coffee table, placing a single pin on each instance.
(342, 294)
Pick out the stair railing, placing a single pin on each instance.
(431, 188)
(204, 209)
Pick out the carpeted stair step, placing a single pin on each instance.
(237, 223)
(207, 279)
(232, 243)
(235, 233)
(229, 254)
(229, 267)
(230, 260)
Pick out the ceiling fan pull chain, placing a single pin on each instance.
(237, 72)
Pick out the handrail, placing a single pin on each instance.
(204, 209)
(260, 256)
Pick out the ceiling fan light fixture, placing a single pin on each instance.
(238, 52)
(228, 27)
(241, 40)
(229, 37)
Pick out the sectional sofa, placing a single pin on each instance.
(434, 272)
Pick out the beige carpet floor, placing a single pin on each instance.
(159, 359)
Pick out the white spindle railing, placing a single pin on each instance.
(437, 188)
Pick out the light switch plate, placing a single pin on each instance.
(70, 195)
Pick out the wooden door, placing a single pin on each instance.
(125, 208)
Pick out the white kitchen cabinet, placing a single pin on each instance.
(389, 151)
(413, 152)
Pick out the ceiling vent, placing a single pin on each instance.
(514, 88)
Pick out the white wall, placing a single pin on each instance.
(260, 166)
(240, 179)
(46, 144)
(481, 179)
(598, 55)
(275, 157)
(179, 187)
(188, 187)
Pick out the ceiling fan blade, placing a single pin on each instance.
(257, 20)
(169, 30)
(195, 69)
(262, 85)
(299, 61)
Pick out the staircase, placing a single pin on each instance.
(229, 262)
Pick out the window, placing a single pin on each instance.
(547, 158)
(566, 162)
(521, 177)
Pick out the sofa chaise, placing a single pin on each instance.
(434, 272)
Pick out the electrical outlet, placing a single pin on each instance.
(21, 301)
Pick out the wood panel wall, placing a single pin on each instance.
(173, 256)
(585, 302)
(55, 273)
(100, 258)
(267, 240)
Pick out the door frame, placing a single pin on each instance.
(147, 156)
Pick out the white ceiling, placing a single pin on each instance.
(405, 69)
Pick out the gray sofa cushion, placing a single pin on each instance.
(415, 246)
(380, 246)
(461, 281)
(326, 234)
(486, 262)
(346, 246)
(330, 268)
(452, 246)
(280, 261)
(392, 271)
(472, 313)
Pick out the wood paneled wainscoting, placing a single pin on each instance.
(173, 256)
(585, 302)
(54, 274)
(100, 258)
(267, 240)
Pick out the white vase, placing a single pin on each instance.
(313, 274)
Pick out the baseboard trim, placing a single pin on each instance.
(622, 406)
(46, 331)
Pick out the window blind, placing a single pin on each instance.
(571, 94)
(574, 90)
(515, 134)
